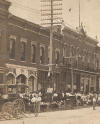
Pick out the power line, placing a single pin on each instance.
(33, 10)
(26, 7)
(66, 24)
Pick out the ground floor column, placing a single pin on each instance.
(95, 83)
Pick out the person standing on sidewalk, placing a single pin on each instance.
(36, 100)
(33, 101)
(39, 102)
(94, 100)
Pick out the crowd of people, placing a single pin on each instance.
(33, 101)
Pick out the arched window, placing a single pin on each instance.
(21, 82)
(10, 83)
(21, 79)
(10, 79)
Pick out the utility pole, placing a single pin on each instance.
(51, 11)
(72, 76)
(79, 15)
(51, 39)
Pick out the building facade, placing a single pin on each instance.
(24, 57)
(83, 58)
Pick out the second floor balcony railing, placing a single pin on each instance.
(80, 65)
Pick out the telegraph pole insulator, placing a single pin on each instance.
(51, 11)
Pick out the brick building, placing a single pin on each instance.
(84, 59)
(24, 57)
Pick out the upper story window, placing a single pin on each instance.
(23, 49)
(12, 41)
(95, 57)
(88, 57)
(57, 56)
(77, 51)
(83, 55)
(48, 55)
(68, 50)
(1, 78)
(97, 65)
(0, 39)
(64, 52)
(33, 53)
(42, 54)
(73, 51)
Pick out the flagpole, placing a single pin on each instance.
(79, 14)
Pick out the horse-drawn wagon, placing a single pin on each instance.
(11, 103)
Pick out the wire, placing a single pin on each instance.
(70, 26)
(64, 24)
(34, 11)
(26, 7)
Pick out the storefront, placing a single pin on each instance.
(22, 77)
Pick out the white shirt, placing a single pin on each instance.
(33, 100)
(38, 99)
(55, 94)
(99, 98)
(94, 99)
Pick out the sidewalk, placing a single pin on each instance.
(79, 116)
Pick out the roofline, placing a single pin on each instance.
(47, 30)
(24, 21)
(78, 33)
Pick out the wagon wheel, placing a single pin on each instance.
(7, 108)
(19, 106)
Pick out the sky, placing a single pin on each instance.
(89, 12)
